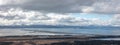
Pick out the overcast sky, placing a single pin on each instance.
(60, 12)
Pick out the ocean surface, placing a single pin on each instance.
(57, 31)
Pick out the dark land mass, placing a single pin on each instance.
(60, 26)
(57, 40)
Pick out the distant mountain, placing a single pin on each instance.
(58, 26)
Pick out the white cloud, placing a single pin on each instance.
(87, 9)
(115, 21)
(18, 16)
(103, 6)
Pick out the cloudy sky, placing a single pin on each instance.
(60, 12)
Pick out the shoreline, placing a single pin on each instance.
(55, 40)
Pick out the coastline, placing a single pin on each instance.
(55, 40)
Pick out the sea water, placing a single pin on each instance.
(57, 31)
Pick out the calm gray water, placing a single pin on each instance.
(108, 39)
(40, 31)
(79, 31)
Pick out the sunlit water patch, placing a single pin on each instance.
(17, 32)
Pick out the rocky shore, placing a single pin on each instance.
(54, 40)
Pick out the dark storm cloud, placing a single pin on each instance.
(56, 5)
(65, 6)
